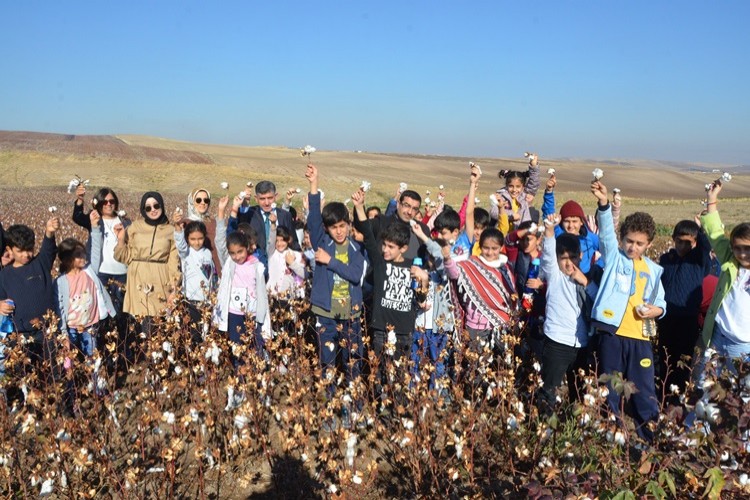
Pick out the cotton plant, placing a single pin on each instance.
(598, 174)
(308, 151)
(75, 182)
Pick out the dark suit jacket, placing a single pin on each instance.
(255, 218)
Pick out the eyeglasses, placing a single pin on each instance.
(409, 207)
(200, 201)
(149, 208)
(108, 201)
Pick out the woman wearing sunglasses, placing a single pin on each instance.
(198, 204)
(147, 248)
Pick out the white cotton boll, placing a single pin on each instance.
(427, 200)
(298, 190)
(72, 185)
(407, 423)
(273, 206)
(744, 480)
(707, 411)
(589, 400)
(551, 171)
(474, 165)
(709, 186)
(428, 193)
(166, 346)
(224, 185)
(351, 448)
(168, 417)
(412, 222)
(585, 419)
(619, 438)
(533, 228)
(402, 187)
(52, 209)
(365, 186)
(47, 487)
(597, 173)
(357, 478)
(309, 149)
(726, 177)
(178, 210)
(122, 213)
(477, 200)
(441, 187)
(332, 489)
(616, 190)
(213, 353)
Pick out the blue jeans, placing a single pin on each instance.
(84, 341)
(432, 344)
(730, 350)
(237, 331)
(330, 334)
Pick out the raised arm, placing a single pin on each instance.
(473, 183)
(95, 259)
(532, 184)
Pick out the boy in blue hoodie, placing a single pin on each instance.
(630, 295)
(337, 283)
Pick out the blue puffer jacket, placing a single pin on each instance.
(618, 279)
(353, 272)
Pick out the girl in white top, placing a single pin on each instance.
(286, 268)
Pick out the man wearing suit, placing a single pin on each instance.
(260, 216)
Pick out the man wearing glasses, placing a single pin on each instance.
(407, 208)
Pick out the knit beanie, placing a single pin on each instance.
(572, 209)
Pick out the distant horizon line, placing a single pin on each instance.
(634, 161)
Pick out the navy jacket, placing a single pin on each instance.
(683, 278)
(31, 287)
(353, 272)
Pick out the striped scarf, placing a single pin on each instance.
(491, 291)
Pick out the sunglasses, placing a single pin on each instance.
(149, 208)
(108, 202)
(200, 201)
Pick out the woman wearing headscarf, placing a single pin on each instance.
(148, 249)
(198, 204)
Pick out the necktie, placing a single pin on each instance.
(267, 220)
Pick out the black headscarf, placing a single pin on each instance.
(161, 220)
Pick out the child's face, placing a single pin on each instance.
(568, 263)
(684, 243)
(392, 252)
(529, 243)
(79, 258)
(448, 235)
(281, 244)
(306, 240)
(491, 249)
(339, 231)
(514, 187)
(572, 225)
(372, 213)
(238, 253)
(634, 244)
(741, 249)
(196, 240)
(21, 257)
(478, 231)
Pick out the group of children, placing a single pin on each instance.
(421, 285)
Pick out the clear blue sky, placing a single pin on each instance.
(605, 79)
